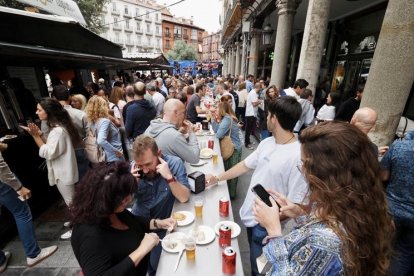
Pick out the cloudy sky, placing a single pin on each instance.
(205, 12)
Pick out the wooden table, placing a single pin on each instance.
(208, 259)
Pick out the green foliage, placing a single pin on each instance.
(90, 9)
(182, 51)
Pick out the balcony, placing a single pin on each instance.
(177, 36)
(128, 29)
(167, 34)
(185, 36)
(127, 15)
(148, 19)
(138, 17)
(158, 22)
(139, 31)
(129, 42)
(115, 12)
(117, 27)
(158, 34)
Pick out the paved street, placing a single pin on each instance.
(49, 227)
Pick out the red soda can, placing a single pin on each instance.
(224, 236)
(211, 144)
(229, 261)
(224, 206)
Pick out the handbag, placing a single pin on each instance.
(94, 152)
(226, 144)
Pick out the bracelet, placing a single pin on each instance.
(21, 186)
(155, 224)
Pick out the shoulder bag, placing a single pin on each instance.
(226, 144)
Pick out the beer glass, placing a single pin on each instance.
(198, 206)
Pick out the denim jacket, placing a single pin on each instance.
(154, 198)
(109, 138)
(222, 130)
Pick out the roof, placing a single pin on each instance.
(148, 61)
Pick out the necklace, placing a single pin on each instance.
(293, 136)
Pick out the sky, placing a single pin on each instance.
(205, 12)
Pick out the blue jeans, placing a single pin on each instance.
(403, 260)
(264, 134)
(255, 236)
(23, 217)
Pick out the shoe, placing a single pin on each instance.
(66, 235)
(250, 147)
(66, 224)
(44, 253)
(3, 267)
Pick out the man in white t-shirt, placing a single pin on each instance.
(275, 167)
(252, 104)
(157, 98)
(298, 88)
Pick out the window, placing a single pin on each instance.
(125, 9)
(128, 36)
(116, 22)
(117, 38)
(138, 40)
(136, 12)
(149, 41)
(147, 16)
(156, 16)
(157, 29)
(177, 31)
(114, 6)
(158, 43)
(167, 44)
(129, 49)
(194, 34)
(127, 24)
(167, 32)
(138, 26)
(185, 31)
(148, 28)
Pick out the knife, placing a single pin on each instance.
(179, 258)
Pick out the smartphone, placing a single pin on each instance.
(263, 194)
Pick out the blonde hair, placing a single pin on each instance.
(82, 99)
(224, 108)
(96, 108)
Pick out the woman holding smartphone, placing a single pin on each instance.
(348, 230)
(58, 148)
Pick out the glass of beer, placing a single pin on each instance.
(215, 158)
(190, 247)
(198, 206)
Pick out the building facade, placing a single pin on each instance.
(211, 47)
(180, 29)
(133, 24)
(334, 45)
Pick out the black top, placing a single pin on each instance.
(103, 250)
(347, 110)
(191, 108)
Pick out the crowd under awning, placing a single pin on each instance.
(149, 61)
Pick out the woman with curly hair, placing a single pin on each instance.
(108, 136)
(107, 239)
(348, 230)
(271, 94)
(58, 148)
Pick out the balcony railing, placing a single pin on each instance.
(167, 34)
(117, 27)
(148, 19)
(129, 42)
(127, 15)
(139, 18)
(185, 36)
(177, 36)
(115, 12)
(139, 31)
(158, 34)
(128, 29)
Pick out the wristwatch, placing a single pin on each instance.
(170, 180)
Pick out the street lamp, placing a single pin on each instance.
(267, 33)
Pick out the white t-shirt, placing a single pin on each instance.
(159, 101)
(275, 167)
(251, 98)
(291, 92)
(327, 112)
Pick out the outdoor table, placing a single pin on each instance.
(208, 260)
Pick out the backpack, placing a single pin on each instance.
(94, 152)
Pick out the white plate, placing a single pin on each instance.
(189, 218)
(209, 134)
(176, 239)
(209, 235)
(199, 133)
(235, 228)
(199, 164)
(206, 153)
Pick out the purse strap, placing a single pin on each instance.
(231, 126)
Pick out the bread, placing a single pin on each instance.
(178, 216)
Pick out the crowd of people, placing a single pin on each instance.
(316, 161)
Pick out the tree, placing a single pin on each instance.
(90, 9)
(182, 51)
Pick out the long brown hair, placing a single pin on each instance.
(224, 108)
(344, 181)
(117, 94)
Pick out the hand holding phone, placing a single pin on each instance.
(263, 195)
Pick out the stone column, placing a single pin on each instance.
(237, 60)
(225, 65)
(286, 11)
(254, 53)
(244, 59)
(313, 41)
(391, 75)
(233, 60)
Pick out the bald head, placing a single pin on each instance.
(173, 105)
(139, 88)
(364, 119)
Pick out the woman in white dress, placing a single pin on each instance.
(328, 110)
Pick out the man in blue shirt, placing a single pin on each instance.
(161, 179)
(398, 165)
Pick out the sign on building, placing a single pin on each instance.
(66, 8)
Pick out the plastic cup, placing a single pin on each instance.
(198, 206)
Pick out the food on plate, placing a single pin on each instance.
(199, 133)
(206, 152)
(178, 216)
(201, 236)
(171, 244)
